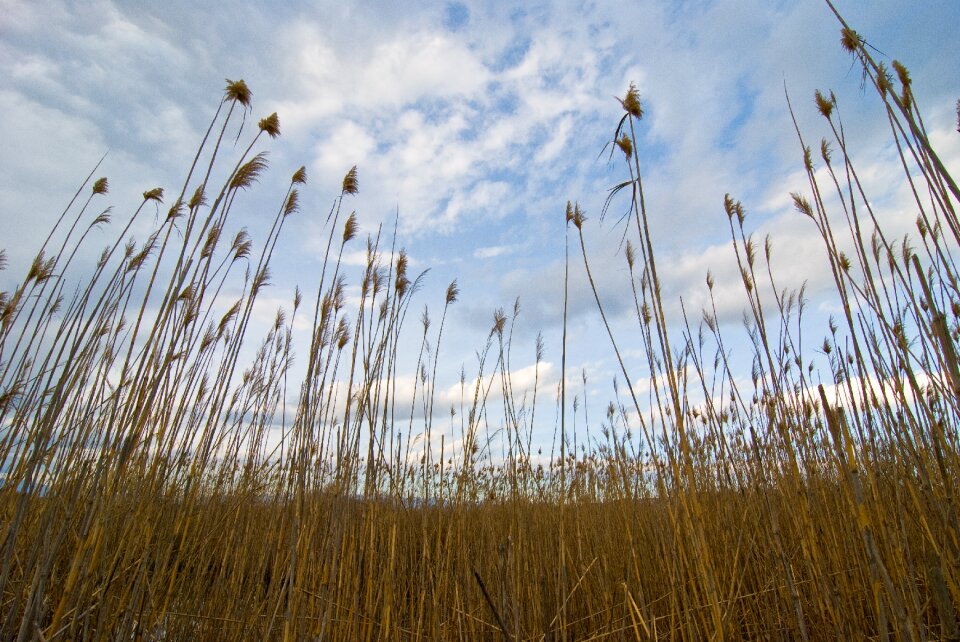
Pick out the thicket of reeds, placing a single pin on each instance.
(156, 487)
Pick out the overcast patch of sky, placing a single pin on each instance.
(472, 122)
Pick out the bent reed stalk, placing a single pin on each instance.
(152, 489)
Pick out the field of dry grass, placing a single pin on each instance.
(145, 495)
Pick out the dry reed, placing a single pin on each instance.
(144, 496)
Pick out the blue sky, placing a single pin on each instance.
(476, 122)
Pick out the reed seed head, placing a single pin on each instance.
(176, 210)
(137, 260)
(270, 125)
(8, 307)
(425, 319)
(901, 336)
(578, 217)
(186, 294)
(850, 40)
(452, 292)
(631, 102)
(350, 185)
(300, 176)
(824, 106)
(343, 334)
(101, 186)
(213, 236)
(249, 172)
(155, 194)
(293, 203)
(238, 91)
(401, 284)
(884, 80)
(747, 280)
(261, 280)
(802, 204)
(41, 268)
(732, 207)
(499, 322)
(902, 74)
(350, 227)
(708, 318)
(199, 197)
(844, 261)
(906, 250)
(241, 245)
(626, 146)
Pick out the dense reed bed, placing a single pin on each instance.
(155, 486)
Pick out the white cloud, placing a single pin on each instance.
(494, 251)
(349, 144)
(386, 78)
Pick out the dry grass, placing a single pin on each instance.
(143, 497)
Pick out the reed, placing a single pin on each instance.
(155, 488)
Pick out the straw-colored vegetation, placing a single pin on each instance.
(145, 495)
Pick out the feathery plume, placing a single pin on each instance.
(802, 204)
(452, 292)
(155, 194)
(350, 185)
(238, 91)
(241, 245)
(499, 321)
(850, 39)
(176, 210)
(625, 145)
(270, 125)
(824, 106)
(248, 173)
(292, 204)
(578, 217)
(350, 227)
(199, 197)
(631, 102)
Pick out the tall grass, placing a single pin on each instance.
(154, 489)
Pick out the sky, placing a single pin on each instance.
(472, 124)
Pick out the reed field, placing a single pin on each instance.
(162, 480)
